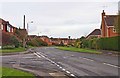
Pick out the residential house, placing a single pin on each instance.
(30, 37)
(46, 39)
(5, 26)
(108, 25)
(94, 34)
(64, 41)
(55, 41)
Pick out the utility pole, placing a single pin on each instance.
(24, 22)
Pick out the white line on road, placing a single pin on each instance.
(37, 55)
(68, 72)
(60, 67)
(41, 55)
(63, 69)
(88, 59)
(111, 65)
(72, 74)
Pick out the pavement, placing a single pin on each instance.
(50, 62)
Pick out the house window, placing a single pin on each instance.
(1, 26)
(12, 29)
(114, 30)
(8, 28)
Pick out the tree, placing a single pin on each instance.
(117, 23)
(15, 41)
(22, 35)
(61, 43)
(77, 43)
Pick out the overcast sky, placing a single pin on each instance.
(58, 18)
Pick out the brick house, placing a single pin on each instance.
(65, 41)
(107, 25)
(46, 39)
(55, 41)
(5, 26)
(94, 34)
(30, 37)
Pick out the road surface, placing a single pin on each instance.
(49, 61)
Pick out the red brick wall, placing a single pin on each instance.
(111, 33)
(103, 31)
(47, 40)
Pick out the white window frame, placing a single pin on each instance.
(1, 26)
(12, 29)
(114, 30)
(8, 28)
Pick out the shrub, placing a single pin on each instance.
(9, 40)
(14, 41)
(111, 43)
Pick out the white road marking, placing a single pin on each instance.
(72, 74)
(88, 59)
(53, 62)
(40, 55)
(68, 72)
(63, 69)
(111, 65)
(60, 67)
(37, 55)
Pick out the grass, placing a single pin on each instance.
(14, 73)
(12, 50)
(79, 50)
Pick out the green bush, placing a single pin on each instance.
(15, 41)
(9, 41)
(111, 43)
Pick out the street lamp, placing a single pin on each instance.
(28, 25)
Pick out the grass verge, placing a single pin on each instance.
(12, 50)
(79, 50)
(14, 73)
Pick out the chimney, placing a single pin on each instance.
(103, 25)
(103, 13)
(24, 22)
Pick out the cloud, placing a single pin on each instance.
(58, 19)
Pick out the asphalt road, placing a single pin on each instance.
(51, 62)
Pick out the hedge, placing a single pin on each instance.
(111, 43)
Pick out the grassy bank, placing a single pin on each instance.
(13, 73)
(79, 50)
(12, 50)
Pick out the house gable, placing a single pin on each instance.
(108, 25)
(94, 33)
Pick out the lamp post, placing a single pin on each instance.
(27, 32)
(28, 25)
